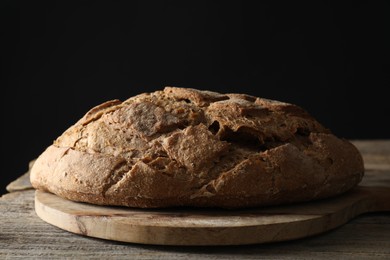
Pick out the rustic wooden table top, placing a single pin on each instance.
(24, 235)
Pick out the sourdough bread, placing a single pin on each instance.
(189, 147)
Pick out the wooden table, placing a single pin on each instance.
(24, 235)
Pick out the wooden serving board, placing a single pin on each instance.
(186, 226)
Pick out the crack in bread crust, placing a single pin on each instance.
(189, 147)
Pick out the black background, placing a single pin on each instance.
(62, 58)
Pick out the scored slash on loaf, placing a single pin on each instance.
(189, 147)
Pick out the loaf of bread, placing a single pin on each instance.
(189, 147)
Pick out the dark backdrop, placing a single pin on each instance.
(62, 58)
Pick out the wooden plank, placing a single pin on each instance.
(24, 235)
(210, 226)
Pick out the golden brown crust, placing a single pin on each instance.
(188, 147)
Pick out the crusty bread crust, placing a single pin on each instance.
(187, 147)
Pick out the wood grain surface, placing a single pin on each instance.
(24, 235)
(210, 226)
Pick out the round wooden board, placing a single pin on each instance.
(185, 226)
